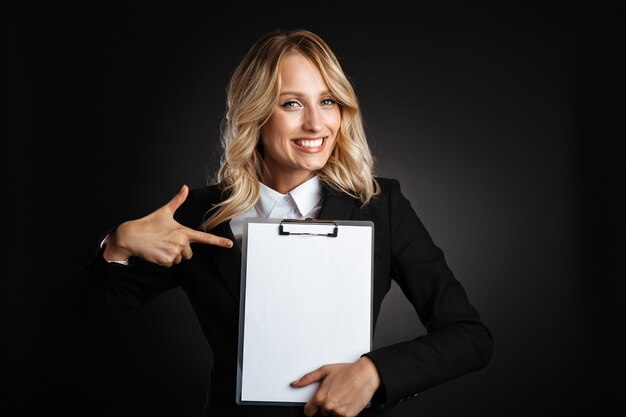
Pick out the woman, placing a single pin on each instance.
(294, 147)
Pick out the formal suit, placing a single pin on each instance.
(457, 341)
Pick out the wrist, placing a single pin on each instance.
(113, 251)
(368, 366)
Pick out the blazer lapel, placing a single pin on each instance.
(336, 205)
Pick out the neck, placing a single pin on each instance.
(284, 184)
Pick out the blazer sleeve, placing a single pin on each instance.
(456, 342)
(114, 285)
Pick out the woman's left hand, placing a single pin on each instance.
(345, 388)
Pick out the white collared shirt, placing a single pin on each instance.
(303, 201)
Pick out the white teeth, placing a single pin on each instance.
(309, 143)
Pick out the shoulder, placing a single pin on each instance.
(388, 187)
(391, 196)
(388, 191)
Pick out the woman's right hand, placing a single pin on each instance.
(158, 238)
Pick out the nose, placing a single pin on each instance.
(312, 120)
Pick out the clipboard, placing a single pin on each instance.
(306, 301)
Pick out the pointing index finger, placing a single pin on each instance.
(209, 239)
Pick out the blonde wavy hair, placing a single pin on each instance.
(252, 95)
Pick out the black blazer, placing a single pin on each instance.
(457, 341)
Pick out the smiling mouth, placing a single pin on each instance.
(309, 143)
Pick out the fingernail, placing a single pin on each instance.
(229, 244)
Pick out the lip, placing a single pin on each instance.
(309, 149)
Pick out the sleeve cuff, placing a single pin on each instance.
(122, 262)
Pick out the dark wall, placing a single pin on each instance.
(477, 110)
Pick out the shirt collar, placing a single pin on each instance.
(306, 197)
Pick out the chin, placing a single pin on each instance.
(313, 168)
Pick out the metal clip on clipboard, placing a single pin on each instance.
(307, 223)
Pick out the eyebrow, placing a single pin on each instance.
(299, 94)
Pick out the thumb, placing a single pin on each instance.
(178, 199)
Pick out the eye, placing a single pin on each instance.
(328, 102)
(291, 103)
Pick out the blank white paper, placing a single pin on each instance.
(307, 302)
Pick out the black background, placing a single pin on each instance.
(481, 110)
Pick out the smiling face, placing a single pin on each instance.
(301, 133)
